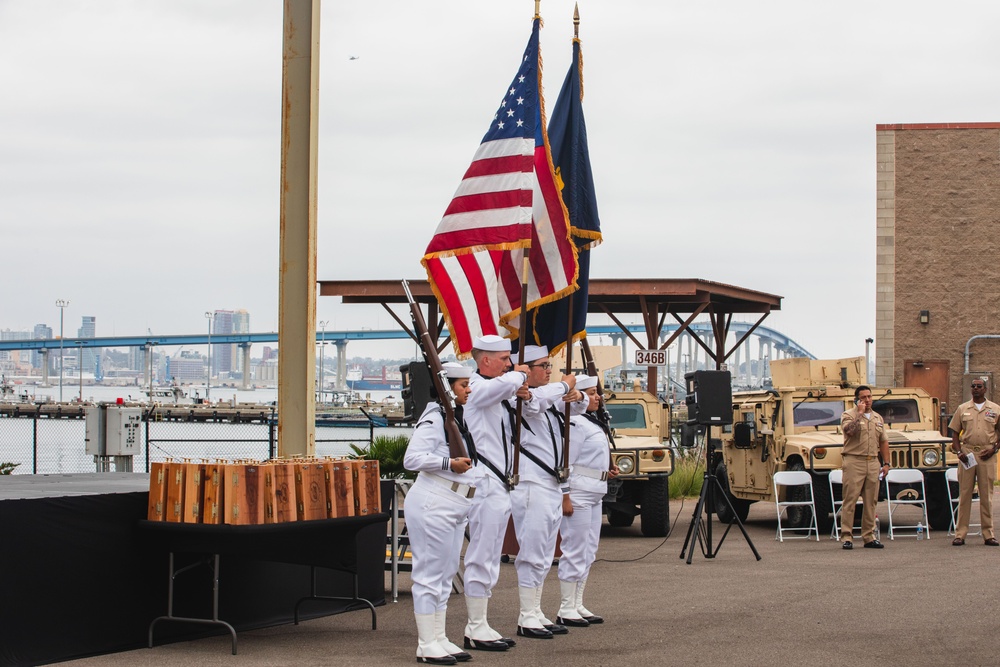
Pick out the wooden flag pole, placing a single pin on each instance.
(563, 470)
(522, 327)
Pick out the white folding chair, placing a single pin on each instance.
(787, 479)
(837, 479)
(951, 479)
(914, 480)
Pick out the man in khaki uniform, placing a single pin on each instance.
(974, 433)
(866, 452)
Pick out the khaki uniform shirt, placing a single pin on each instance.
(867, 439)
(976, 428)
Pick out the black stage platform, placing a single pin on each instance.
(81, 577)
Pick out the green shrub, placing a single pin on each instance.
(689, 473)
(388, 451)
(8, 468)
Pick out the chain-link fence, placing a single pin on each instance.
(52, 445)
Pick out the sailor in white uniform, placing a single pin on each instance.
(536, 502)
(590, 468)
(488, 421)
(437, 511)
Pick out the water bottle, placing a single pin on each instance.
(878, 528)
(920, 530)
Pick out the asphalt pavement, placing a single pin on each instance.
(804, 603)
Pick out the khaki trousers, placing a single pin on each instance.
(984, 473)
(860, 479)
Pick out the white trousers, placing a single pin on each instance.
(487, 525)
(581, 533)
(537, 511)
(435, 520)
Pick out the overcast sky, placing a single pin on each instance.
(731, 141)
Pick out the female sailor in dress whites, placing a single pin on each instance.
(437, 511)
(590, 468)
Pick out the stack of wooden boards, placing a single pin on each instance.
(252, 493)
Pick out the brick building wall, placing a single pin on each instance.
(937, 222)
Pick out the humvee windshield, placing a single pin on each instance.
(819, 414)
(898, 411)
(627, 415)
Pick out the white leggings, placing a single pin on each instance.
(581, 532)
(435, 519)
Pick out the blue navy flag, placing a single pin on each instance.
(568, 140)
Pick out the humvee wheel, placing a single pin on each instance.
(655, 508)
(620, 519)
(742, 507)
(797, 516)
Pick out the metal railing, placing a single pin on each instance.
(43, 444)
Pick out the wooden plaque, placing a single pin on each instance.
(285, 505)
(175, 493)
(243, 497)
(194, 492)
(268, 491)
(367, 499)
(212, 506)
(342, 483)
(158, 473)
(310, 491)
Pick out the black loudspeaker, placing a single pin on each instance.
(709, 397)
(418, 390)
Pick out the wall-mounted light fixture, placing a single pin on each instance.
(925, 316)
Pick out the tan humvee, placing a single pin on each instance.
(796, 426)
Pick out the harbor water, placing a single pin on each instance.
(57, 446)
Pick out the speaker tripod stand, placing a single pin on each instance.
(700, 529)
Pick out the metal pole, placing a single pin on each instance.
(80, 372)
(868, 360)
(297, 265)
(322, 355)
(61, 305)
(208, 372)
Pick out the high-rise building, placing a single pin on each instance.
(241, 325)
(42, 331)
(88, 330)
(222, 355)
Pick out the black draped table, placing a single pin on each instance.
(84, 575)
(326, 543)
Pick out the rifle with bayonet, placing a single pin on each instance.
(603, 416)
(439, 377)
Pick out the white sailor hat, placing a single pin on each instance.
(586, 381)
(456, 371)
(531, 353)
(491, 343)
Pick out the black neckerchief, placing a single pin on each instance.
(601, 425)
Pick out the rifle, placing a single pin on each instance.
(602, 412)
(439, 376)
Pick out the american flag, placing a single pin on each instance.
(507, 202)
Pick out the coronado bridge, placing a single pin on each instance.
(770, 344)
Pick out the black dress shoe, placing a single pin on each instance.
(593, 620)
(443, 660)
(510, 642)
(573, 622)
(461, 656)
(557, 629)
(533, 633)
(486, 644)
(847, 545)
(874, 544)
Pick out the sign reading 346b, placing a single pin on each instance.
(650, 357)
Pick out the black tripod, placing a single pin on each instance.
(710, 489)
